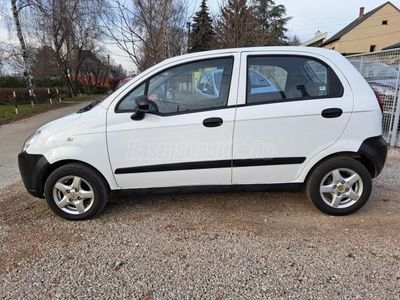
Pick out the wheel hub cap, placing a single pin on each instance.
(341, 188)
(73, 195)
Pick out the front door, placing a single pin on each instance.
(186, 138)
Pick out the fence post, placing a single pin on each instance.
(395, 124)
(31, 95)
(51, 100)
(58, 95)
(361, 65)
(15, 102)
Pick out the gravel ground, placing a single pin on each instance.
(208, 246)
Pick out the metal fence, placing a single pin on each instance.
(382, 72)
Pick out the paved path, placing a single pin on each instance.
(13, 135)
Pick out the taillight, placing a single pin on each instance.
(378, 98)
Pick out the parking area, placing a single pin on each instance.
(204, 246)
(207, 246)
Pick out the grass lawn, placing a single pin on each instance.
(7, 112)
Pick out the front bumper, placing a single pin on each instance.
(32, 168)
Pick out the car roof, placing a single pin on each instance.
(276, 50)
(332, 55)
(294, 49)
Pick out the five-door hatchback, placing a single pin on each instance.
(274, 117)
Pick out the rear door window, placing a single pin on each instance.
(287, 78)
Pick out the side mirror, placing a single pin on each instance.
(142, 107)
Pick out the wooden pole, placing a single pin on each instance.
(58, 95)
(51, 100)
(32, 102)
(15, 102)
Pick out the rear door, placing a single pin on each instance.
(277, 131)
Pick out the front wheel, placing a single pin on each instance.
(339, 186)
(76, 192)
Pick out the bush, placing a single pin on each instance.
(48, 82)
(12, 82)
(6, 95)
(113, 82)
(19, 82)
(99, 89)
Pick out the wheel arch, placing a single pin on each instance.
(363, 159)
(52, 167)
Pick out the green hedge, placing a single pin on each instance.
(22, 95)
(12, 82)
(48, 82)
(99, 89)
(19, 82)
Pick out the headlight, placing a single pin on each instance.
(30, 140)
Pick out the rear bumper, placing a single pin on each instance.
(32, 168)
(375, 149)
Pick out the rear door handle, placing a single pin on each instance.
(330, 113)
(212, 122)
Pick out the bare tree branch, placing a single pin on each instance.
(148, 31)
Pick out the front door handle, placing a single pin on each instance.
(332, 113)
(212, 122)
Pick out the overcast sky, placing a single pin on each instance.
(307, 18)
(312, 15)
(325, 15)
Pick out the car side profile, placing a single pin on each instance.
(283, 117)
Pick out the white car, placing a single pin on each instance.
(320, 127)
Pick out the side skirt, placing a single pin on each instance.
(287, 187)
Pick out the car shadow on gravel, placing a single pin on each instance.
(262, 213)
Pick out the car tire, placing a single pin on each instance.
(339, 186)
(76, 192)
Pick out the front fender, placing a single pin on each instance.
(96, 157)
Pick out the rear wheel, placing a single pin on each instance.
(339, 186)
(76, 192)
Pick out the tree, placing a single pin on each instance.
(271, 22)
(2, 60)
(16, 7)
(202, 32)
(69, 28)
(148, 31)
(95, 70)
(294, 41)
(235, 27)
(260, 23)
(44, 63)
